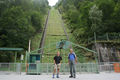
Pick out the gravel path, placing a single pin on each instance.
(101, 76)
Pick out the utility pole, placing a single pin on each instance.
(29, 46)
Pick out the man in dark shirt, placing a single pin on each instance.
(57, 63)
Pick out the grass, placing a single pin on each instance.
(55, 33)
(36, 41)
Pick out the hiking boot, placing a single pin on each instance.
(70, 76)
(74, 76)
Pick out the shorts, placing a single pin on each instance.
(57, 66)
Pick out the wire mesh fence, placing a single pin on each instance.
(106, 37)
(47, 68)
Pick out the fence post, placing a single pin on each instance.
(107, 36)
(47, 68)
(88, 40)
(95, 36)
(9, 66)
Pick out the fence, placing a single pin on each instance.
(105, 37)
(47, 68)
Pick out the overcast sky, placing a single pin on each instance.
(52, 2)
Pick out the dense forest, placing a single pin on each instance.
(86, 17)
(19, 21)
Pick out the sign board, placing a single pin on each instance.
(22, 57)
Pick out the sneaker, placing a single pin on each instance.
(70, 76)
(53, 76)
(57, 76)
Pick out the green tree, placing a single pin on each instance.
(95, 16)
